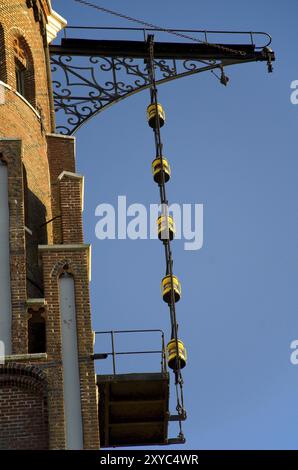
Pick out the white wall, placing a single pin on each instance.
(5, 293)
(71, 378)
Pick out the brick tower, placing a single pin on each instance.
(48, 397)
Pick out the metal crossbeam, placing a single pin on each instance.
(162, 50)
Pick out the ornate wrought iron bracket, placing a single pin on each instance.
(89, 76)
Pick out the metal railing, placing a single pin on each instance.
(113, 353)
(204, 35)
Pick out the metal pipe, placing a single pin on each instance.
(123, 353)
(114, 354)
(129, 331)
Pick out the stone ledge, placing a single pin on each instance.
(60, 136)
(74, 247)
(23, 357)
(8, 87)
(36, 304)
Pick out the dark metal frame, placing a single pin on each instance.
(79, 68)
(162, 352)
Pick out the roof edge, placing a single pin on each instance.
(55, 23)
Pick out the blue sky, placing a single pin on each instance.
(234, 150)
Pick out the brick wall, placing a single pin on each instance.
(73, 259)
(17, 20)
(28, 120)
(61, 154)
(23, 408)
(21, 419)
(71, 200)
(36, 158)
(11, 155)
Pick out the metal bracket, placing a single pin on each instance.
(90, 75)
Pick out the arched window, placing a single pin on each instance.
(36, 332)
(20, 66)
(24, 71)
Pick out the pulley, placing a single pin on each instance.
(166, 287)
(176, 361)
(157, 168)
(166, 227)
(151, 115)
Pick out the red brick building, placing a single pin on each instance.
(48, 394)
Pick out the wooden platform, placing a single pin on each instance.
(133, 409)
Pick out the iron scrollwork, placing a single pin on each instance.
(85, 86)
